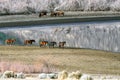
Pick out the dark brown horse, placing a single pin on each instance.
(28, 42)
(43, 43)
(10, 41)
(61, 44)
(52, 44)
(43, 13)
(57, 13)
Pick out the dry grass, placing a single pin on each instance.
(33, 59)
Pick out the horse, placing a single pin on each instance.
(61, 44)
(10, 41)
(60, 13)
(42, 13)
(52, 44)
(43, 43)
(28, 42)
(53, 13)
(57, 13)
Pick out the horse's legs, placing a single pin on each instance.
(63, 14)
(9, 43)
(30, 43)
(40, 45)
(40, 15)
(25, 44)
(59, 46)
(53, 45)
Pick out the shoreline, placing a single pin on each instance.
(59, 20)
(70, 17)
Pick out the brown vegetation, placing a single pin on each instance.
(33, 59)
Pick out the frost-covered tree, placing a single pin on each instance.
(115, 6)
(33, 6)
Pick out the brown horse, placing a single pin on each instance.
(28, 42)
(43, 13)
(60, 13)
(53, 13)
(52, 44)
(61, 44)
(43, 43)
(57, 13)
(10, 41)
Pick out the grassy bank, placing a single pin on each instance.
(33, 59)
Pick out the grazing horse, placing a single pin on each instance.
(28, 42)
(61, 44)
(42, 13)
(43, 43)
(10, 41)
(52, 44)
(57, 13)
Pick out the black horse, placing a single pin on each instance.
(43, 13)
(52, 44)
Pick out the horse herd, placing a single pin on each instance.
(41, 43)
(52, 13)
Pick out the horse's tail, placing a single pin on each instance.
(59, 44)
(63, 13)
(6, 42)
(40, 15)
(40, 43)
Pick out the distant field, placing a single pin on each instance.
(33, 59)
